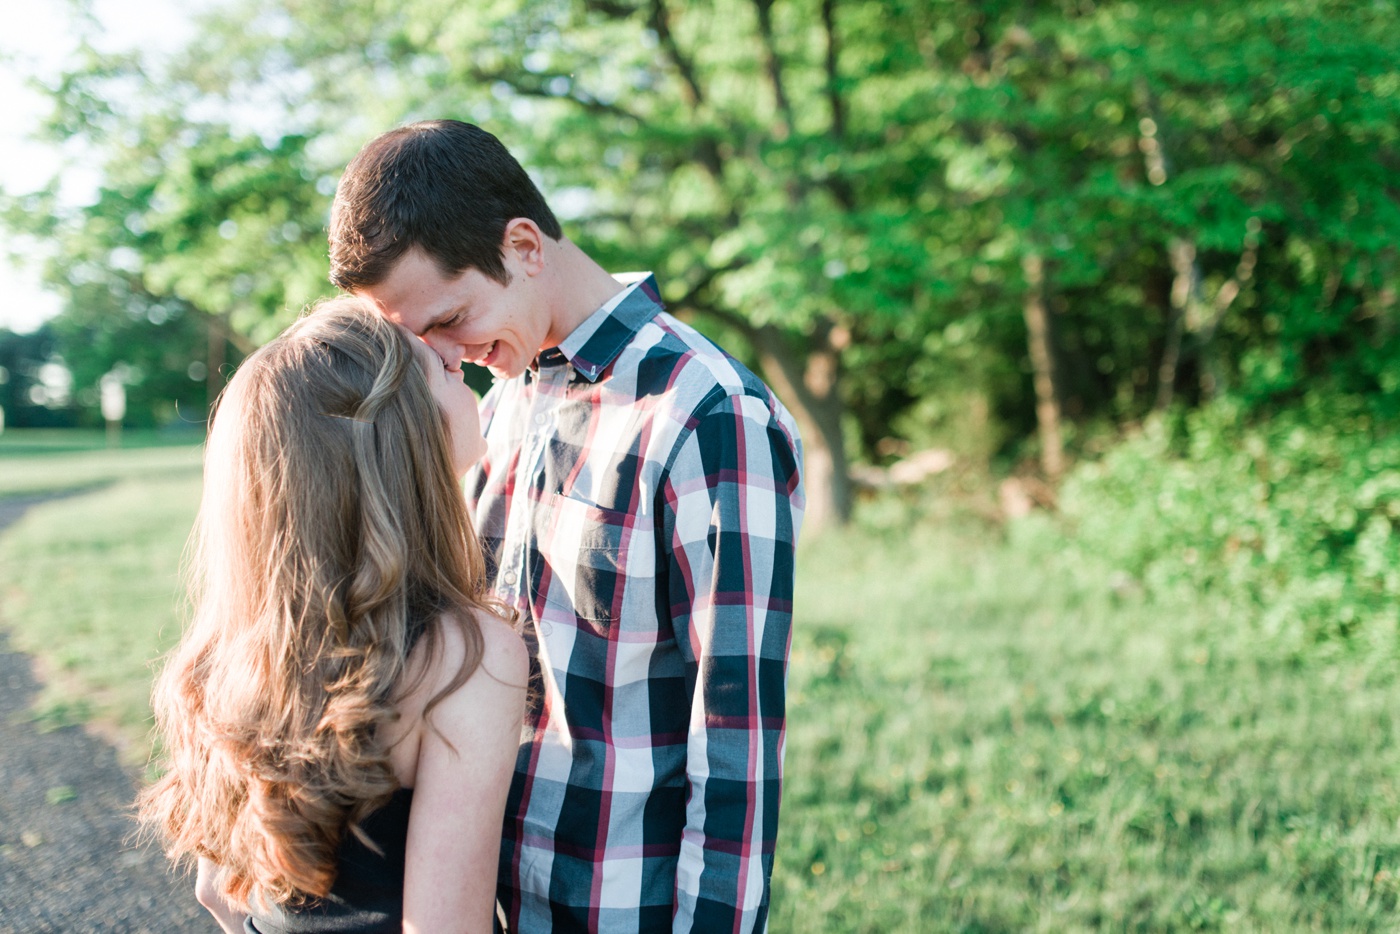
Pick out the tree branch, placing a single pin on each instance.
(690, 298)
(537, 89)
(723, 315)
(1181, 254)
(707, 148)
(1231, 288)
(774, 64)
(840, 188)
(833, 77)
(661, 24)
(213, 320)
(610, 8)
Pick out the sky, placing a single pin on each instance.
(35, 43)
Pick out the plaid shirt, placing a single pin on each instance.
(639, 504)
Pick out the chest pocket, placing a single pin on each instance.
(597, 561)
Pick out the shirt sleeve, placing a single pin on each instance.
(733, 509)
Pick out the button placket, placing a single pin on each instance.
(547, 392)
(513, 547)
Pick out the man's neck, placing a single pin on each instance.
(579, 287)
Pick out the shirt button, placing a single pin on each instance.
(541, 418)
(510, 578)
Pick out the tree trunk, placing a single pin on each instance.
(1185, 276)
(1047, 401)
(810, 386)
(1212, 371)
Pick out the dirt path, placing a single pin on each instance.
(66, 860)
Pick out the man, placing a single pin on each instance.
(641, 496)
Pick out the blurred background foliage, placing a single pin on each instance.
(1157, 241)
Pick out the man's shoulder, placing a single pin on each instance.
(668, 355)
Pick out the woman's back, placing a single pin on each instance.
(458, 749)
(367, 897)
(343, 646)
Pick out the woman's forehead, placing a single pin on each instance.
(425, 355)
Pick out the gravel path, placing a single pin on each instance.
(66, 860)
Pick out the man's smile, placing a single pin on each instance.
(484, 358)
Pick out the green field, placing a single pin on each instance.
(986, 733)
(89, 580)
(39, 462)
(991, 738)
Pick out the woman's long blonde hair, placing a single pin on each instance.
(332, 535)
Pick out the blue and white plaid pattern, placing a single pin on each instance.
(640, 500)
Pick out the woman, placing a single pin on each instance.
(341, 719)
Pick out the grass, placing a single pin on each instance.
(36, 462)
(984, 734)
(24, 441)
(89, 583)
(984, 738)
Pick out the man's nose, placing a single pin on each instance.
(450, 351)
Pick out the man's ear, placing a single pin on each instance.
(523, 245)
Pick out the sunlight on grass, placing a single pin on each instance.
(986, 739)
(986, 733)
(89, 585)
(38, 462)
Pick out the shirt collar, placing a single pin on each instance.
(596, 342)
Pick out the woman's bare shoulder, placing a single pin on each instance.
(503, 660)
(466, 761)
(503, 653)
(435, 662)
(484, 711)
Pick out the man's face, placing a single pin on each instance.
(469, 317)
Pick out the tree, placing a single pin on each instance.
(199, 243)
(736, 147)
(1032, 217)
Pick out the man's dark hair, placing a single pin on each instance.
(446, 187)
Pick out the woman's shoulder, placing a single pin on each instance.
(503, 657)
(503, 652)
(485, 709)
(493, 691)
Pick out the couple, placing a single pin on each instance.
(555, 703)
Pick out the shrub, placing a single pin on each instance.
(1291, 520)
